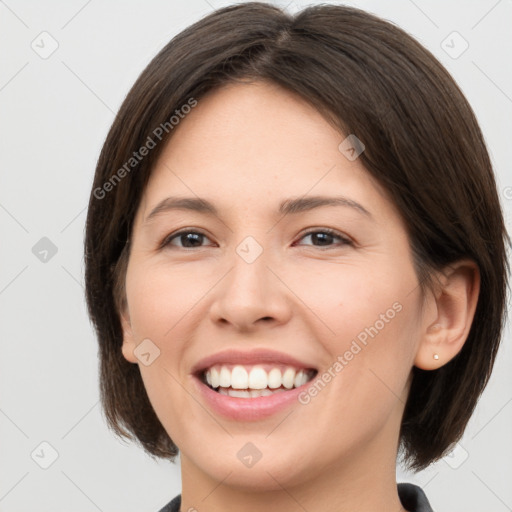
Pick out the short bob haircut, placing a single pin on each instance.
(422, 144)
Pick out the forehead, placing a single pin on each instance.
(253, 123)
(255, 144)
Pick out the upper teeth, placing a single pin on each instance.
(255, 377)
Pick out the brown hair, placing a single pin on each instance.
(423, 145)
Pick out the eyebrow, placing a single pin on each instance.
(287, 207)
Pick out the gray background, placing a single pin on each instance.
(55, 112)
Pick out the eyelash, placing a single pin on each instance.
(167, 240)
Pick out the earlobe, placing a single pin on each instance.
(129, 344)
(455, 301)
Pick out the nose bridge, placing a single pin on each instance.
(249, 275)
(250, 291)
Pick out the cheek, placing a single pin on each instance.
(160, 297)
(349, 298)
(367, 320)
(161, 302)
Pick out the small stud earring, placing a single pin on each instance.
(436, 356)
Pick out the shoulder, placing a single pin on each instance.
(173, 505)
(413, 498)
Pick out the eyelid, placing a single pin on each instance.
(167, 239)
(333, 232)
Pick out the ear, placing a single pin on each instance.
(129, 344)
(454, 304)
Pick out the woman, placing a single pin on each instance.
(295, 261)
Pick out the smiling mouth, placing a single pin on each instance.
(241, 381)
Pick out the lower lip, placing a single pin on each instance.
(249, 409)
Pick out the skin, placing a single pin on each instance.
(246, 147)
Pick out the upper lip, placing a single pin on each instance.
(256, 356)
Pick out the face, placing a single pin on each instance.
(328, 289)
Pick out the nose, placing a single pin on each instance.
(251, 294)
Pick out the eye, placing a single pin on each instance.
(326, 237)
(190, 239)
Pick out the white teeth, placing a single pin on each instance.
(239, 377)
(253, 393)
(288, 378)
(214, 377)
(274, 378)
(261, 392)
(255, 379)
(258, 378)
(224, 377)
(239, 393)
(300, 378)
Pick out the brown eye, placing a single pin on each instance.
(325, 237)
(187, 239)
